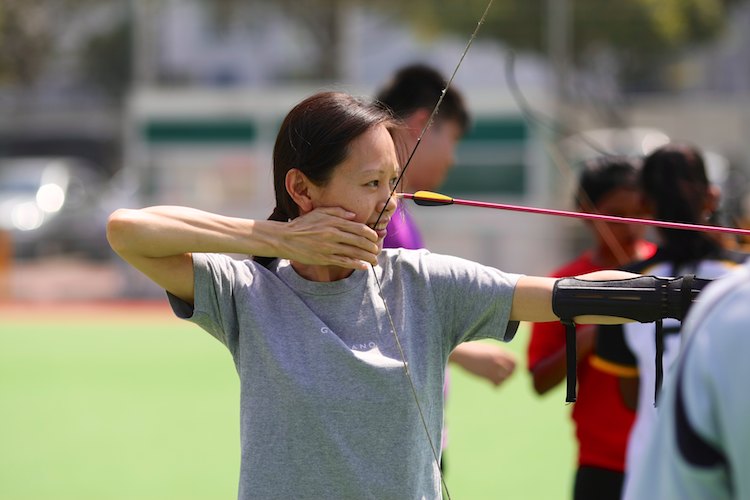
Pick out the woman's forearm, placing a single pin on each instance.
(165, 231)
(532, 300)
(324, 236)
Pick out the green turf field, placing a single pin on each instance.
(124, 409)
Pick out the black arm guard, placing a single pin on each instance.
(643, 299)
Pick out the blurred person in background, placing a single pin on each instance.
(411, 94)
(700, 446)
(676, 189)
(607, 185)
(323, 324)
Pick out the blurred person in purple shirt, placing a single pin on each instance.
(411, 94)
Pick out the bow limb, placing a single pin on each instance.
(428, 124)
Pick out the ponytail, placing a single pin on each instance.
(279, 214)
(674, 179)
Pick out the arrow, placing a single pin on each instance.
(430, 199)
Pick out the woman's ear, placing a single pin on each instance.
(298, 186)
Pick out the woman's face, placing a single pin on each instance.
(363, 182)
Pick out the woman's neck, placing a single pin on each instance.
(321, 273)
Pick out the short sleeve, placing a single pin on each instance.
(475, 300)
(214, 309)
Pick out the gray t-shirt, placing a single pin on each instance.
(326, 408)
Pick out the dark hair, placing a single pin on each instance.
(602, 175)
(674, 180)
(315, 137)
(419, 86)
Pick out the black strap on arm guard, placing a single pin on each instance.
(644, 299)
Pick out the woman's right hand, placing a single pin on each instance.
(329, 236)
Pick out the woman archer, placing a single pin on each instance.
(318, 323)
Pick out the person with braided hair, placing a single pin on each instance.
(607, 185)
(340, 345)
(677, 189)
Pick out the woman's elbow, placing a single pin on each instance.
(538, 386)
(540, 383)
(120, 227)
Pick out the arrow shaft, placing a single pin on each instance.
(582, 215)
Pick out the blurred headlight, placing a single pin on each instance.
(50, 198)
(27, 216)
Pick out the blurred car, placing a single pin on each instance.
(52, 206)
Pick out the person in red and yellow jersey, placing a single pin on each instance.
(607, 185)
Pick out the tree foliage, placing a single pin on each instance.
(322, 20)
(28, 32)
(638, 26)
(638, 32)
(107, 59)
(24, 39)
